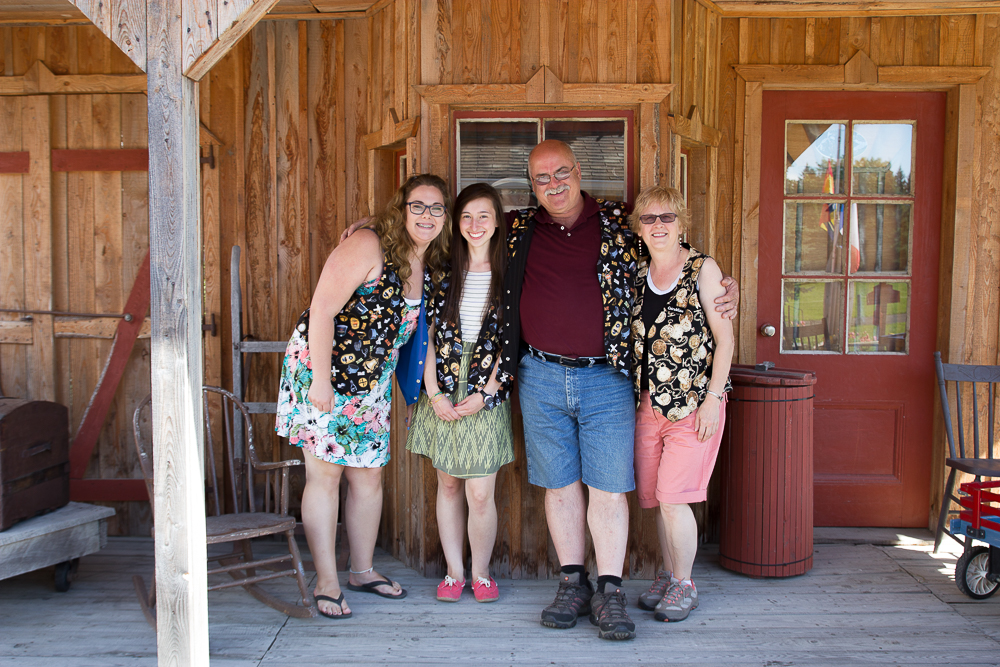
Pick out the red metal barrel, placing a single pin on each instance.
(767, 473)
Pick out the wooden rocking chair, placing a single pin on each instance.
(248, 515)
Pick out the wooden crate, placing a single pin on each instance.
(34, 459)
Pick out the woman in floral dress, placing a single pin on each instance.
(334, 396)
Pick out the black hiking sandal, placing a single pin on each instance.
(572, 601)
(607, 612)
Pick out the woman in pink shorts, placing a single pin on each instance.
(682, 353)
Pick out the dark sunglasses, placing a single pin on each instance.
(650, 219)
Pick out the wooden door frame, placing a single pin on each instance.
(958, 191)
(544, 89)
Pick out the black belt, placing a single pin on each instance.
(571, 362)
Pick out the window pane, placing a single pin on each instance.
(814, 239)
(882, 158)
(879, 313)
(496, 152)
(814, 157)
(812, 316)
(599, 145)
(880, 238)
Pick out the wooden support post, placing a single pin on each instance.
(175, 277)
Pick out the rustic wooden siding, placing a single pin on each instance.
(96, 225)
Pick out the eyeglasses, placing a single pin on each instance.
(650, 219)
(418, 208)
(561, 175)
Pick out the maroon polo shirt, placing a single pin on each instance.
(562, 311)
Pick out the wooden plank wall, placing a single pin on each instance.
(94, 224)
(508, 41)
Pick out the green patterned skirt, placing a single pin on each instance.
(473, 446)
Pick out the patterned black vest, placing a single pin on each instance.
(615, 275)
(448, 347)
(365, 332)
(681, 345)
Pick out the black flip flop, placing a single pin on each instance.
(372, 587)
(339, 601)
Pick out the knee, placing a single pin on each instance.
(365, 481)
(600, 498)
(671, 511)
(324, 475)
(479, 499)
(450, 487)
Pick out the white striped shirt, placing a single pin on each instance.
(473, 305)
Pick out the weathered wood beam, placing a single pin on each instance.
(176, 363)
(197, 63)
(19, 332)
(858, 73)
(16, 332)
(39, 80)
(804, 8)
(37, 215)
(693, 129)
(121, 21)
(394, 132)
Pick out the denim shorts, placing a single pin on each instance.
(579, 423)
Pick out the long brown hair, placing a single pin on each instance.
(390, 225)
(460, 250)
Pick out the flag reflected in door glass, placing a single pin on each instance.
(814, 158)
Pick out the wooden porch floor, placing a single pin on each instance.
(861, 604)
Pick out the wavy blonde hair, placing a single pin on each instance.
(662, 195)
(390, 225)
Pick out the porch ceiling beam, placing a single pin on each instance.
(818, 8)
(121, 21)
(201, 55)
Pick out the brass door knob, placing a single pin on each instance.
(767, 330)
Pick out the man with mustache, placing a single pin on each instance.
(568, 297)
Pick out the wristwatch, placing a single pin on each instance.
(490, 401)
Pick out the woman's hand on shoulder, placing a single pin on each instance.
(470, 405)
(360, 224)
(353, 262)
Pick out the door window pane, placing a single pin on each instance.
(599, 146)
(879, 317)
(814, 157)
(496, 152)
(814, 238)
(880, 237)
(882, 158)
(812, 316)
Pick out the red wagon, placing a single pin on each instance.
(977, 572)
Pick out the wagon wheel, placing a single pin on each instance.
(970, 573)
(65, 573)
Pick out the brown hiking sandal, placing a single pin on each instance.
(572, 601)
(607, 612)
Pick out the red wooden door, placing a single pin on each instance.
(848, 265)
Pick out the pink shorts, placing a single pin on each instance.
(671, 466)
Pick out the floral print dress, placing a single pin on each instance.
(355, 433)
